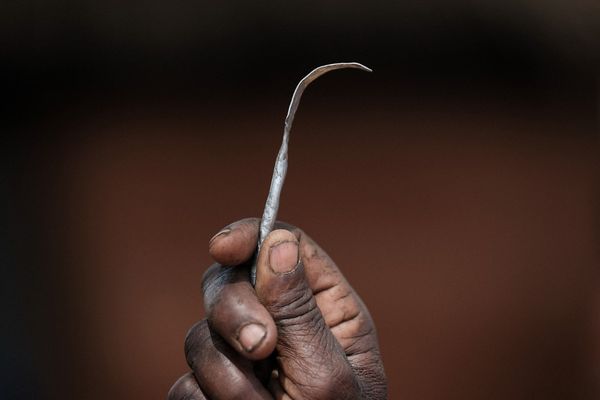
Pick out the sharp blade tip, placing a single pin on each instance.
(361, 66)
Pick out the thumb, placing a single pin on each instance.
(312, 364)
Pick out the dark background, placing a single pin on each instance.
(456, 185)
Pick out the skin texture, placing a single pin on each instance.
(301, 333)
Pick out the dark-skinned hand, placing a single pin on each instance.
(301, 333)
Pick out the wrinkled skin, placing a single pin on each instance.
(308, 336)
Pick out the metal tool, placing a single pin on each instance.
(281, 163)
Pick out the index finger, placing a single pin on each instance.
(236, 243)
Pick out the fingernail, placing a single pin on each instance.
(222, 232)
(283, 256)
(251, 336)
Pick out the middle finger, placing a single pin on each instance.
(235, 312)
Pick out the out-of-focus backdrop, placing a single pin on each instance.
(456, 186)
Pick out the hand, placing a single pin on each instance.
(301, 333)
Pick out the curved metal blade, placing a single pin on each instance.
(272, 205)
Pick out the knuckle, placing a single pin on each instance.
(303, 333)
(221, 304)
(296, 305)
(195, 340)
(185, 388)
(216, 279)
(210, 274)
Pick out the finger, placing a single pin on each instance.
(186, 388)
(309, 355)
(343, 311)
(235, 313)
(220, 371)
(339, 305)
(236, 243)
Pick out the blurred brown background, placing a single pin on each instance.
(456, 186)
